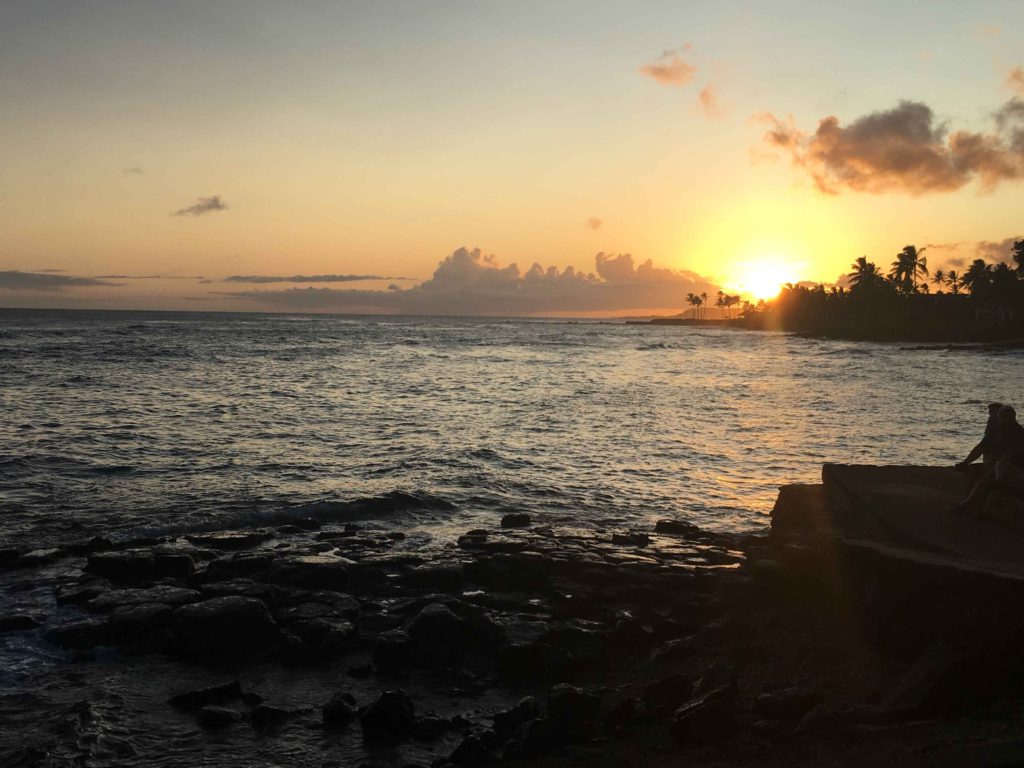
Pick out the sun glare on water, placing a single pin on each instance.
(764, 279)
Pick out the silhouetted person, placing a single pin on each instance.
(990, 447)
(1008, 469)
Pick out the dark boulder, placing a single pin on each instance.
(632, 539)
(267, 719)
(131, 566)
(533, 738)
(17, 622)
(120, 598)
(226, 625)
(668, 692)
(238, 565)
(571, 707)
(327, 572)
(79, 635)
(392, 715)
(516, 520)
(392, 651)
(320, 639)
(339, 711)
(142, 623)
(430, 728)
(676, 528)
(472, 752)
(790, 703)
(214, 717)
(439, 636)
(95, 544)
(174, 565)
(507, 721)
(216, 694)
(709, 717)
(520, 663)
(77, 594)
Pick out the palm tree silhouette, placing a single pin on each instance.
(908, 265)
(703, 300)
(863, 273)
(954, 281)
(977, 275)
(939, 277)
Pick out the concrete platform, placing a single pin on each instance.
(899, 512)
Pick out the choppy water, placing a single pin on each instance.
(128, 422)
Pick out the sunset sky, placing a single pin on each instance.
(331, 156)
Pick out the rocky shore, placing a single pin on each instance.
(350, 643)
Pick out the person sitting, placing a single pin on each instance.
(989, 447)
(1007, 471)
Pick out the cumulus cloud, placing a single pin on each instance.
(671, 68)
(306, 278)
(903, 149)
(593, 223)
(203, 206)
(469, 282)
(13, 280)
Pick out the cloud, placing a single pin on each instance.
(997, 250)
(593, 223)
(1015, 80)
(13, 280)
(708, 99)
(903, 150)
(469, 282)
(203, 206)
(671, 68)
(307, 278)
(133, 170)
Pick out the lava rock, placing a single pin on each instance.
(669, 692)
(430, 728)
(633, 539)
(18, 622)
(238, 565)
(327, 572)
(516, 520)
(534, 662)
(214, 717)
(339, 711)
(215, 694)
(124, 567)
(472, 752)
(226, 625)
(175, 565)
(120, 598)
(507, 721)
(266, 719)
(790, 703)
(392, 650)
(438, 635)
(392, 715)
(95, 544)
(79, 635)
(571, 707)
(676, 528)
(532, 739)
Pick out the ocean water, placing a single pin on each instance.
(121, 423)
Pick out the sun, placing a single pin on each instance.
(764, 278)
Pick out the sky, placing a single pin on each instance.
(456, 157)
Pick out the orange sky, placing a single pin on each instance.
(379, 141)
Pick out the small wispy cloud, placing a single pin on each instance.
(15, 280)
(307, 278)
(708, 99)
(671, 68)
(203, 206)
(133, 170)
(593, 223)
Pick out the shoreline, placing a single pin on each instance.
(516, 642)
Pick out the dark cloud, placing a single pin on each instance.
(469, 282)
(203, 206)
(593, 223)
(903, 150)
(671, 68)
(128, 277)
(14, 280)
(307, 278)
(997, 250)
(133, 170)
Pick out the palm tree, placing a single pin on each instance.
(977, 276)
(1018, 256)
(908, 265)
(703, 299)
(954, 281)
(693, 300)
(939, 277)
(863, 273)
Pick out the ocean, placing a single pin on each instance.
(140, 423)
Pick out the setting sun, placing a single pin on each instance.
(764, 279)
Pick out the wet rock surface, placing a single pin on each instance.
(513, 643)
